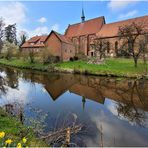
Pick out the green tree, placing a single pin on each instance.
(10, 33)
(1, 33)
(23, 38)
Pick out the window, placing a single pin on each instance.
(92, 54)
(116, 46)
(108, 47)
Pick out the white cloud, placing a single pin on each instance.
(13, 12)
(115, 5)
(41, 30)
(55, 27)
(128, 15)
(38, 31)
(42, 20)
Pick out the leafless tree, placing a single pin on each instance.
(130, 36)
(100, 47)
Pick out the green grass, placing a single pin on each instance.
(116, 67)
(113, 67)
(16, 131)
(24, 64)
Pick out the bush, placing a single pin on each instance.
(122, 53)
(75, 58)
(10, 50)
(51, 59)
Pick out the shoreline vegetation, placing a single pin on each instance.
(113, 67)
(15, 131)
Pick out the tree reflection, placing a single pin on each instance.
(12, 78)
(3, 89)
(128, 109)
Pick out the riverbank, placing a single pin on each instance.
(112, 67)
(15, 131)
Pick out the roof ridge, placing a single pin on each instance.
(126, 20)
(86, 21)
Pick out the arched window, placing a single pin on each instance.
(116, 47)
(108, 47)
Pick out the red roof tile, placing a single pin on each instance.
(36, 41)
(63, 38)
(88, 27)
(111, 30)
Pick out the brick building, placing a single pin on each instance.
(79, 37)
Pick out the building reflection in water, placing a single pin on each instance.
(130, 95)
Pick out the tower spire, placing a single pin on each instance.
(83, 16)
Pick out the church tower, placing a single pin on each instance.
(83, 16)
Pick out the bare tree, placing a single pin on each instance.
(100, 47)
(130, 36)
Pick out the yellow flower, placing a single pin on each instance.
(24, 140)
(19, 145)
(2, 134)
(8, 141)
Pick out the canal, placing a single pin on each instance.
(114, 111)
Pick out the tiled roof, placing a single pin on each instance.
(88, 27)
(61, 37)
(111, 30)
(36, 41)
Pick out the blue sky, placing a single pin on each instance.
(39, 17)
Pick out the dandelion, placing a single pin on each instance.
(8, 141)
(2, 134)
(19, 145)
(24, 140)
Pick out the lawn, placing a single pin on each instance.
(112, 66)
(120, 67)
(19, 63)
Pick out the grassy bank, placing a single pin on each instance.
(18, 63)
(112, 67)
(15, 131)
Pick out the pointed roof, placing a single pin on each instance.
(91, 26)
(83, 16)
(61, 37)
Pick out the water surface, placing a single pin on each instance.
(116, 108)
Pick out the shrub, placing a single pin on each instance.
(10, 50)
(75, 58)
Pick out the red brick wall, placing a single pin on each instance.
(68, 50)
(54, 45)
